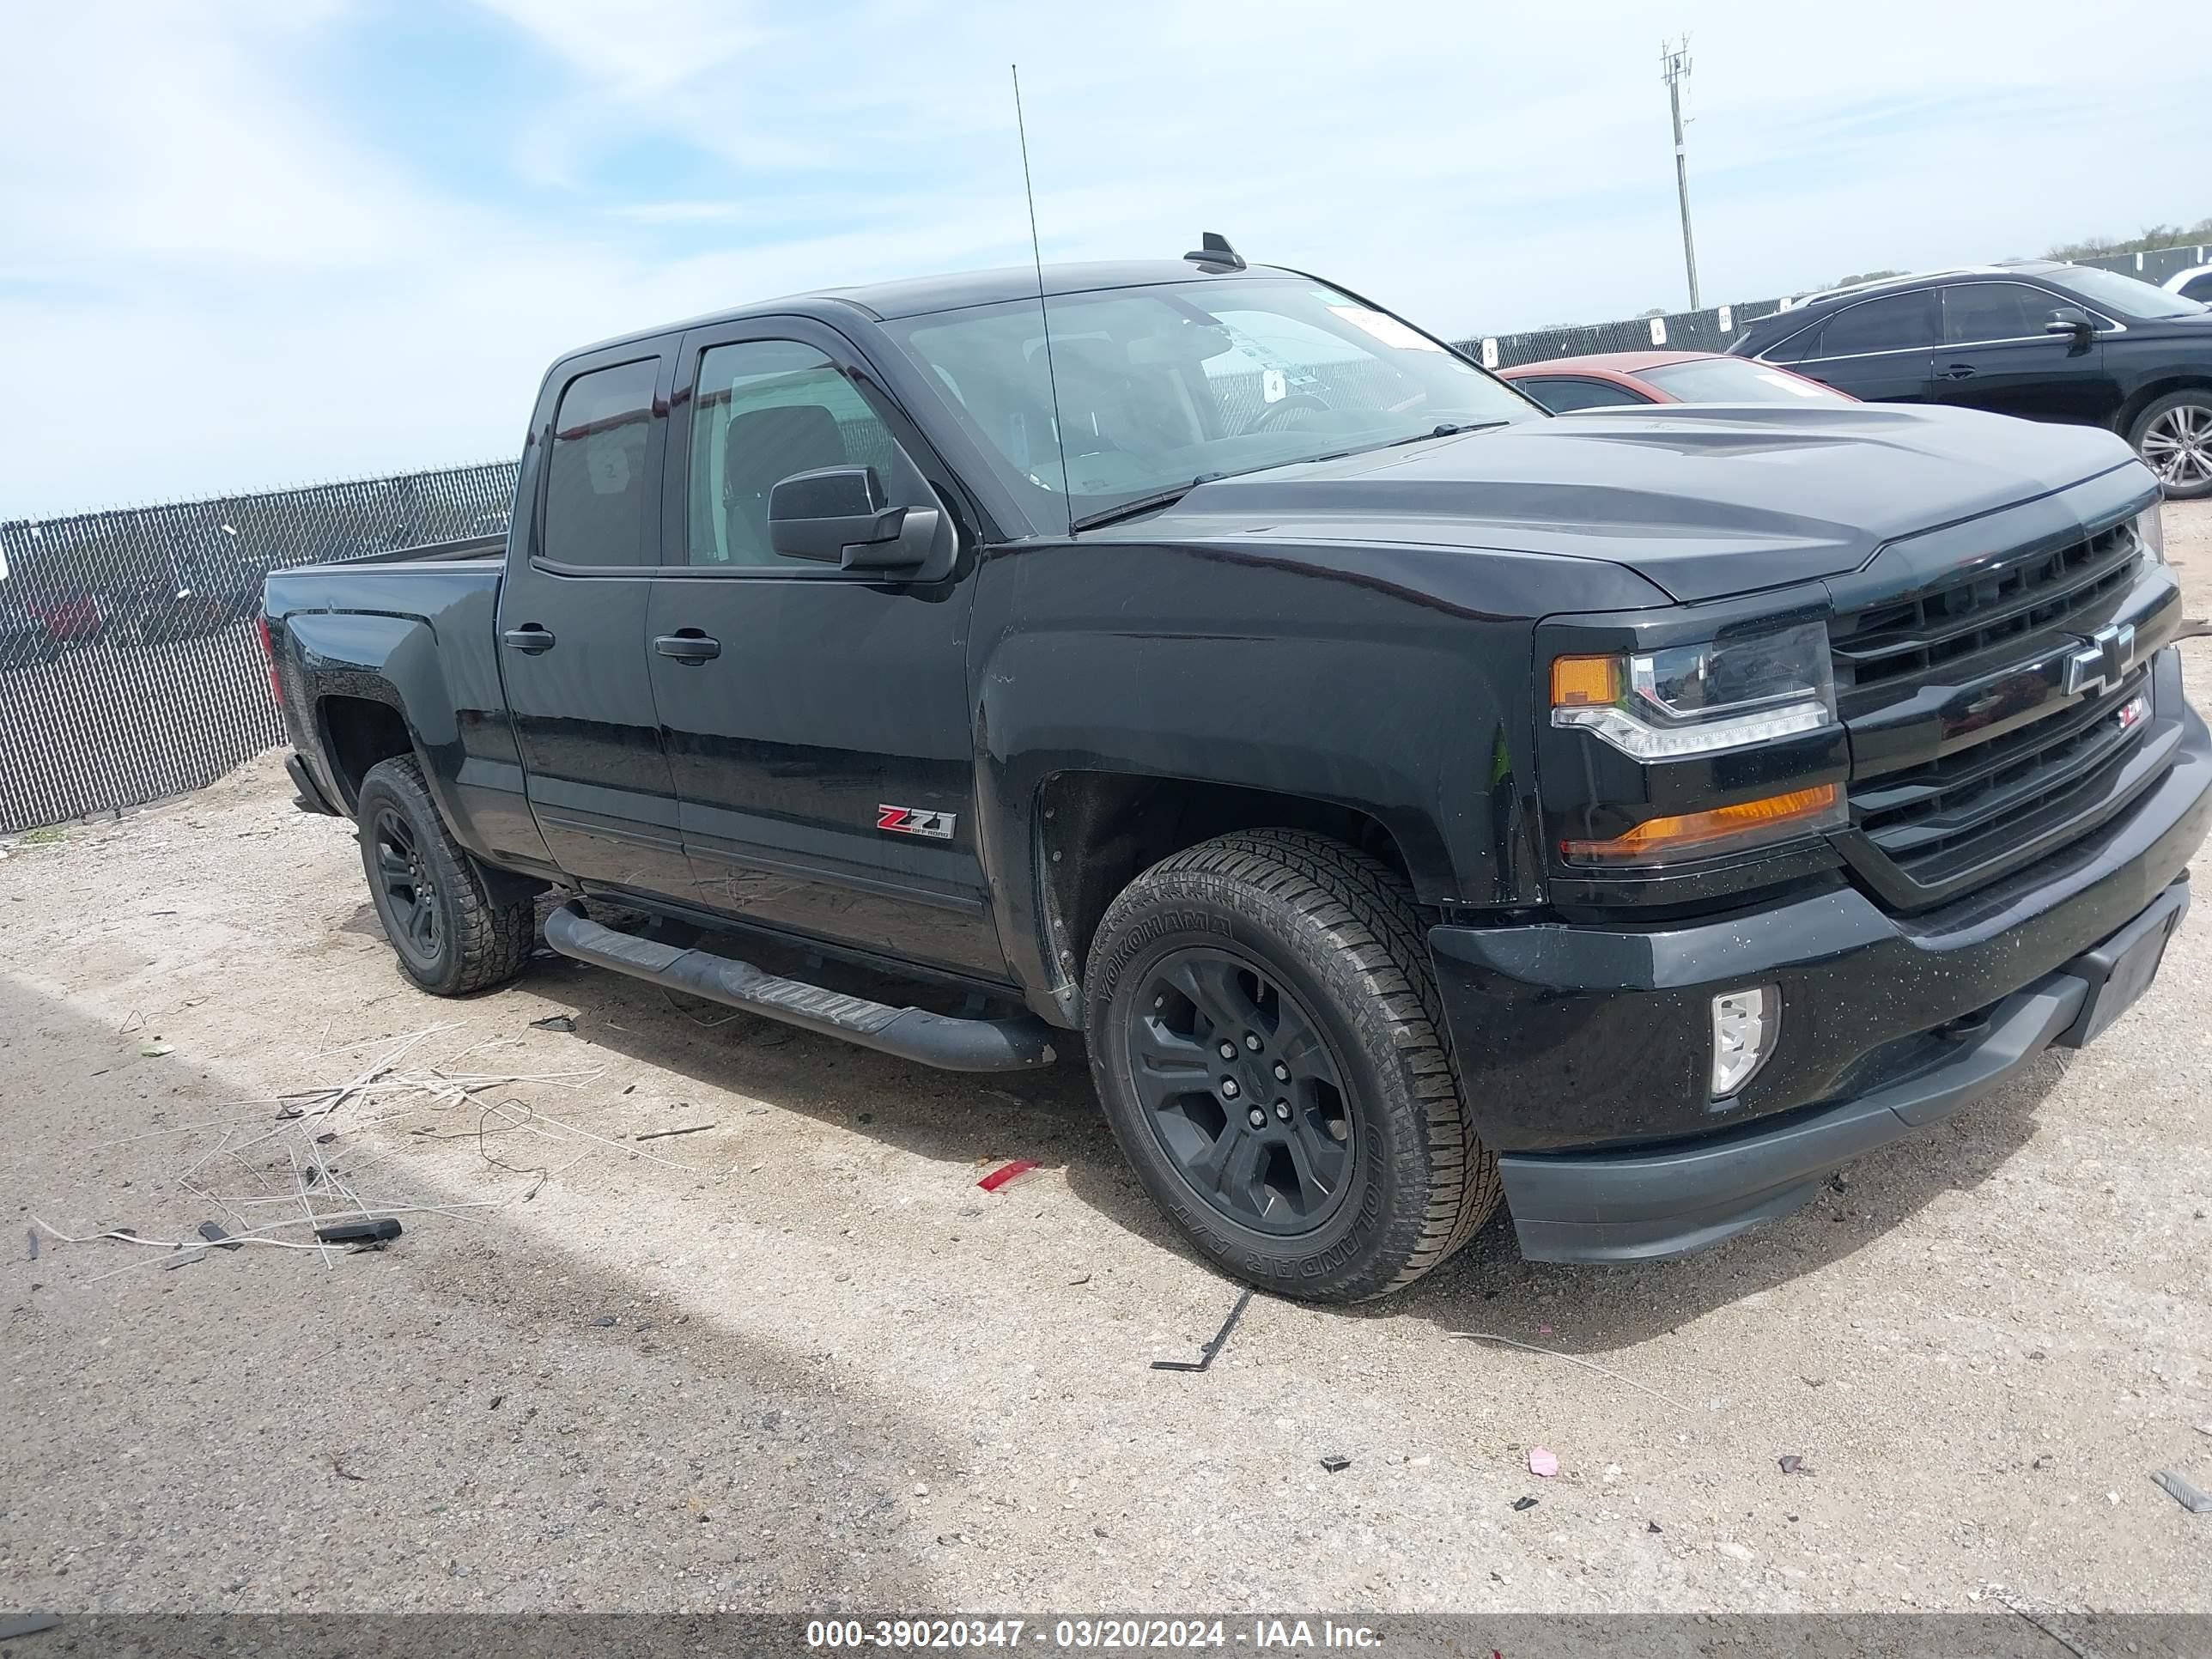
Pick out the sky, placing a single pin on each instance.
(251, 243)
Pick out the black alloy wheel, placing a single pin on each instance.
(406, 896)
(1241, 1091)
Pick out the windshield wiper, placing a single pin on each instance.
(1152, 503)
(1446, 429)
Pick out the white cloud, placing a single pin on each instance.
(214, 275)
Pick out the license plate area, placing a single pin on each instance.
(2121, 969)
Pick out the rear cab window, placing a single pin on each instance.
(601, 489)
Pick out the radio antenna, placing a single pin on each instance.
(1044, 311)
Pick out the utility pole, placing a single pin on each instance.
(1674, 62)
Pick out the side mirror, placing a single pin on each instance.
(837, 516)
(2074, 321)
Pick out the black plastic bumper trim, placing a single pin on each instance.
(1634, 1206)
(1021, 1043)
(1644, 1203)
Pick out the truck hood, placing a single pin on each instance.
(1704, 502)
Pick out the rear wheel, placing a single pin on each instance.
(1265, 1037)
(2173, 435)
(452, 933)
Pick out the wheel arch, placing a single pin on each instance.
(357, 733)
(1098, 830)
(2144, 396)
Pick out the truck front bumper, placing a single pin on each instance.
(1586, 1052)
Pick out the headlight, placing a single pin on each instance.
(1697, 699)
(2150, 530)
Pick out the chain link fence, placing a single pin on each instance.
(131, 660)
(132, 668)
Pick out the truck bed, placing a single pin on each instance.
(465, 548)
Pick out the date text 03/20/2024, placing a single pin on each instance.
(1086, 1633)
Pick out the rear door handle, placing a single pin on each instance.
(529, 637)
(689, 645)
(1958, 372)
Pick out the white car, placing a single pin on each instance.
(2194, 283)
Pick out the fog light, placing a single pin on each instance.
(1744, 1027)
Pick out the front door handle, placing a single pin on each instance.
(1958, 372)
(689, 645)
(530, 637)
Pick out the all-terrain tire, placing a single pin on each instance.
(1338, 931)
(453, 934)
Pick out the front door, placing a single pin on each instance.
(816, 721)
(1997, 357)
(572, 613)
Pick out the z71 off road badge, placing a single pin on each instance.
(916, 821)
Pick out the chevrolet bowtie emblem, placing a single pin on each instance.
(2102, 663)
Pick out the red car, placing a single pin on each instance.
(1613, 379)
(72, 616)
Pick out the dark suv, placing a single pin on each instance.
(2047, 340)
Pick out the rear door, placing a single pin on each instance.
(572, 623)
(816, 721)
(1881, 350)
(1997, 357)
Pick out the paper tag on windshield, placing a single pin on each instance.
(1389, 330)
(1274, 388)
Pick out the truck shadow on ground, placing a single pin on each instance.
(475, 1419)
(1053, 1116)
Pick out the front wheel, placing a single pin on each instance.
(1266, 1035)
(453, 934)
(2173, 435)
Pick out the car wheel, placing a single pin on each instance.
(1265, 1037)
(2173, 435)
(451, 934)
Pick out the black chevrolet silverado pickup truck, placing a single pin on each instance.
(1415, 800)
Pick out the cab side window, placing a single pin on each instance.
(765, 409)
(597, 492)
(1977, 312)
(1894, 323)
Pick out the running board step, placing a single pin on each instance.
(1018, 1044)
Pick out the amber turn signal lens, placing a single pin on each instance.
(1654, 838)
(1585, 682)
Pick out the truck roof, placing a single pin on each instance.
(918, 296)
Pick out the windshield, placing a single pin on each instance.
(1736, 380)
(1161, 386)
(2111, 291)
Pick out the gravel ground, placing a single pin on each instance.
(797, 1361)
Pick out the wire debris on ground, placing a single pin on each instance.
(278, 1162)
(1220, 1340)
(1587, 1364)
